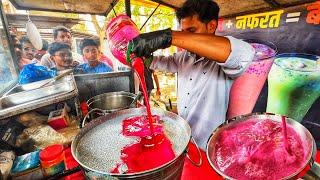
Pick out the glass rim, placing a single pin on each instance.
(267, 43)
(298, 55)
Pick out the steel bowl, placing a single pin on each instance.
(305, 135)
(98, 145)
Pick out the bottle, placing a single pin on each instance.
(119, 32)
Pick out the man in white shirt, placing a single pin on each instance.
(206, 68)
(61, 34)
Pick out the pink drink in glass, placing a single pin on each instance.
(246, 88)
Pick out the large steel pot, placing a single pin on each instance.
(305, 135)
(110, 102)
(98, 145)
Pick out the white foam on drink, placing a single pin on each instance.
(298, 64)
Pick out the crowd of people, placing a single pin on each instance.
(59, 56)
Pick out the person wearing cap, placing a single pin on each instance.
(206, 68)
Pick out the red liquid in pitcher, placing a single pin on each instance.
(152, 148)
(256, 150)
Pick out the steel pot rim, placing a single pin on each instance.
(95, 123)
(110, 94)
(116, 93)
(310, 158)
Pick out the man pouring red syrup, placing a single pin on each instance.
(206, 68)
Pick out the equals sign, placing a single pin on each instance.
(293, 17)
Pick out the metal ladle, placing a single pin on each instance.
(64, 73)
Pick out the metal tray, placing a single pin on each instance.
(31, 96)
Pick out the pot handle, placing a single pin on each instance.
(199, 152)
(83, 123)
(314, 172)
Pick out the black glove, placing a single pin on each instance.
(145, 44)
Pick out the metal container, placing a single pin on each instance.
(91, 85)
(103, 104)
(97, 147)
(305, 135)
(23, 98)
(111, 102)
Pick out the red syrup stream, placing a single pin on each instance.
(153, 148)
(138, 67)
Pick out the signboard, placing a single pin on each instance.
(295, 29)
(292, 30)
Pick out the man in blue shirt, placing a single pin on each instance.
(89, 49)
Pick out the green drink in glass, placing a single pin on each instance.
(293, 84)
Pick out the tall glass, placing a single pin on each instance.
(293, 84)
(246, 88)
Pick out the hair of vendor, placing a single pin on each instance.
(88, 42)
(60, 28)
(207, 10)
(57, 46)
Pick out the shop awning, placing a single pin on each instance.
(99, 7)
(42, 22)
(103, 7)
(236, 7)
(45, 25)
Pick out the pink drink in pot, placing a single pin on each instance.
(246, 88)
(253, 149)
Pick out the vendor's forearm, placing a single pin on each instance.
(156, 80)
(213, 47)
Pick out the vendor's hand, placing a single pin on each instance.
(158, 93)
(145, 44)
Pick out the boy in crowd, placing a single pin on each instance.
(16, 47)
(90, 52)
(61, 34)
(61, 56)
(28, 52)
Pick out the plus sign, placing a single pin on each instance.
(229, 24)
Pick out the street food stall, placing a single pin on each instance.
(45, 128)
